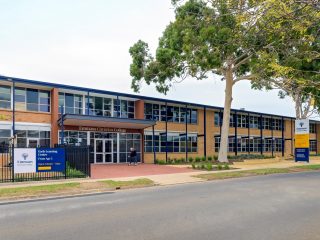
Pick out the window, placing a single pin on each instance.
(266, 123)
(5, 97)
(267, 145)
(217, 119)
(27, 99)
(72, 103)
(254, 122)
(75, 138)
(148, 113)
(231, 144)
(23, 136)
(5, 134)
(174, 143)
(171, 113)
(99, 106)
(242, 121)
(194, 116)
(128, 141)
(216, 144)
(313, 145)
(312, 128)
(277, 124)
(123, 108)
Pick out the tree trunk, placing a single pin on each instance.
(223, 151)
(297, 103)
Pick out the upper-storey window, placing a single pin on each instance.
(254, 122)
(242, 121)
(99, 106)
(5, 97)
(123, 108)
(312, 128)
(71, 103)
(170, 113)
(27, 99)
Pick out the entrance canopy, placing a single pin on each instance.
(106, 122)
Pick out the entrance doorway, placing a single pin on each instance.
(103, 151)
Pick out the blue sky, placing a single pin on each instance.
(86, 42)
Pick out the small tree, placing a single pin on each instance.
(222, 38)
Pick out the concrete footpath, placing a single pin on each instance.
(178, 178)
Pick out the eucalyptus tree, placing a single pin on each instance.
(210, 39)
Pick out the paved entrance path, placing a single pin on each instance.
(123, 170)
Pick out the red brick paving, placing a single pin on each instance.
(123, 170)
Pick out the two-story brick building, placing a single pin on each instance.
(110, 123)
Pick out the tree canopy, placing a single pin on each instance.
(230, 38)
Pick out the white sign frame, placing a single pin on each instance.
(25, 160)
(302, 126)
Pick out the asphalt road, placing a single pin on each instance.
(256, 208)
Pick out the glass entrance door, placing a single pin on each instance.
(103, 152)
(32, 142)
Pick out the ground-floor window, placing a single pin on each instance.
(173, 142)
(33, 138)
(5, 135)
(75, 138)
(313, 145)
(252, 144)
(106, 147)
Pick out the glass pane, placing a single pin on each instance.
(108, 158)
(99, 146)
(99, 157)
(32, 107)
(5, 133)
(21, 133)
(44, 108)
(5, 104)
(32, 96)
(108, 146)
(98, 103)
(5, 89)
(32, 143)
(69, 100)
(4, 96)
(33, 134)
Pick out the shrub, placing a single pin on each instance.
(190, 159)
(198, 159)
(209, 158)
(209, 166)
(203, 166)
(203, 159)
(219, 166)
(193, 166)
(182, 160)
(215, 158)
(161, 162)
(226, 166)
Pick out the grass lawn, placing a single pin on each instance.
(72, 188)
(37, 190)
(141, 182)
(257, 172)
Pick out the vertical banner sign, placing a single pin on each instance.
(302, 140)
(31, 160)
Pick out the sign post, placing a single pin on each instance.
(302, 141)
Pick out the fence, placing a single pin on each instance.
(77, 165)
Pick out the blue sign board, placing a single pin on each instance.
(302, 154)
(50, 160)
